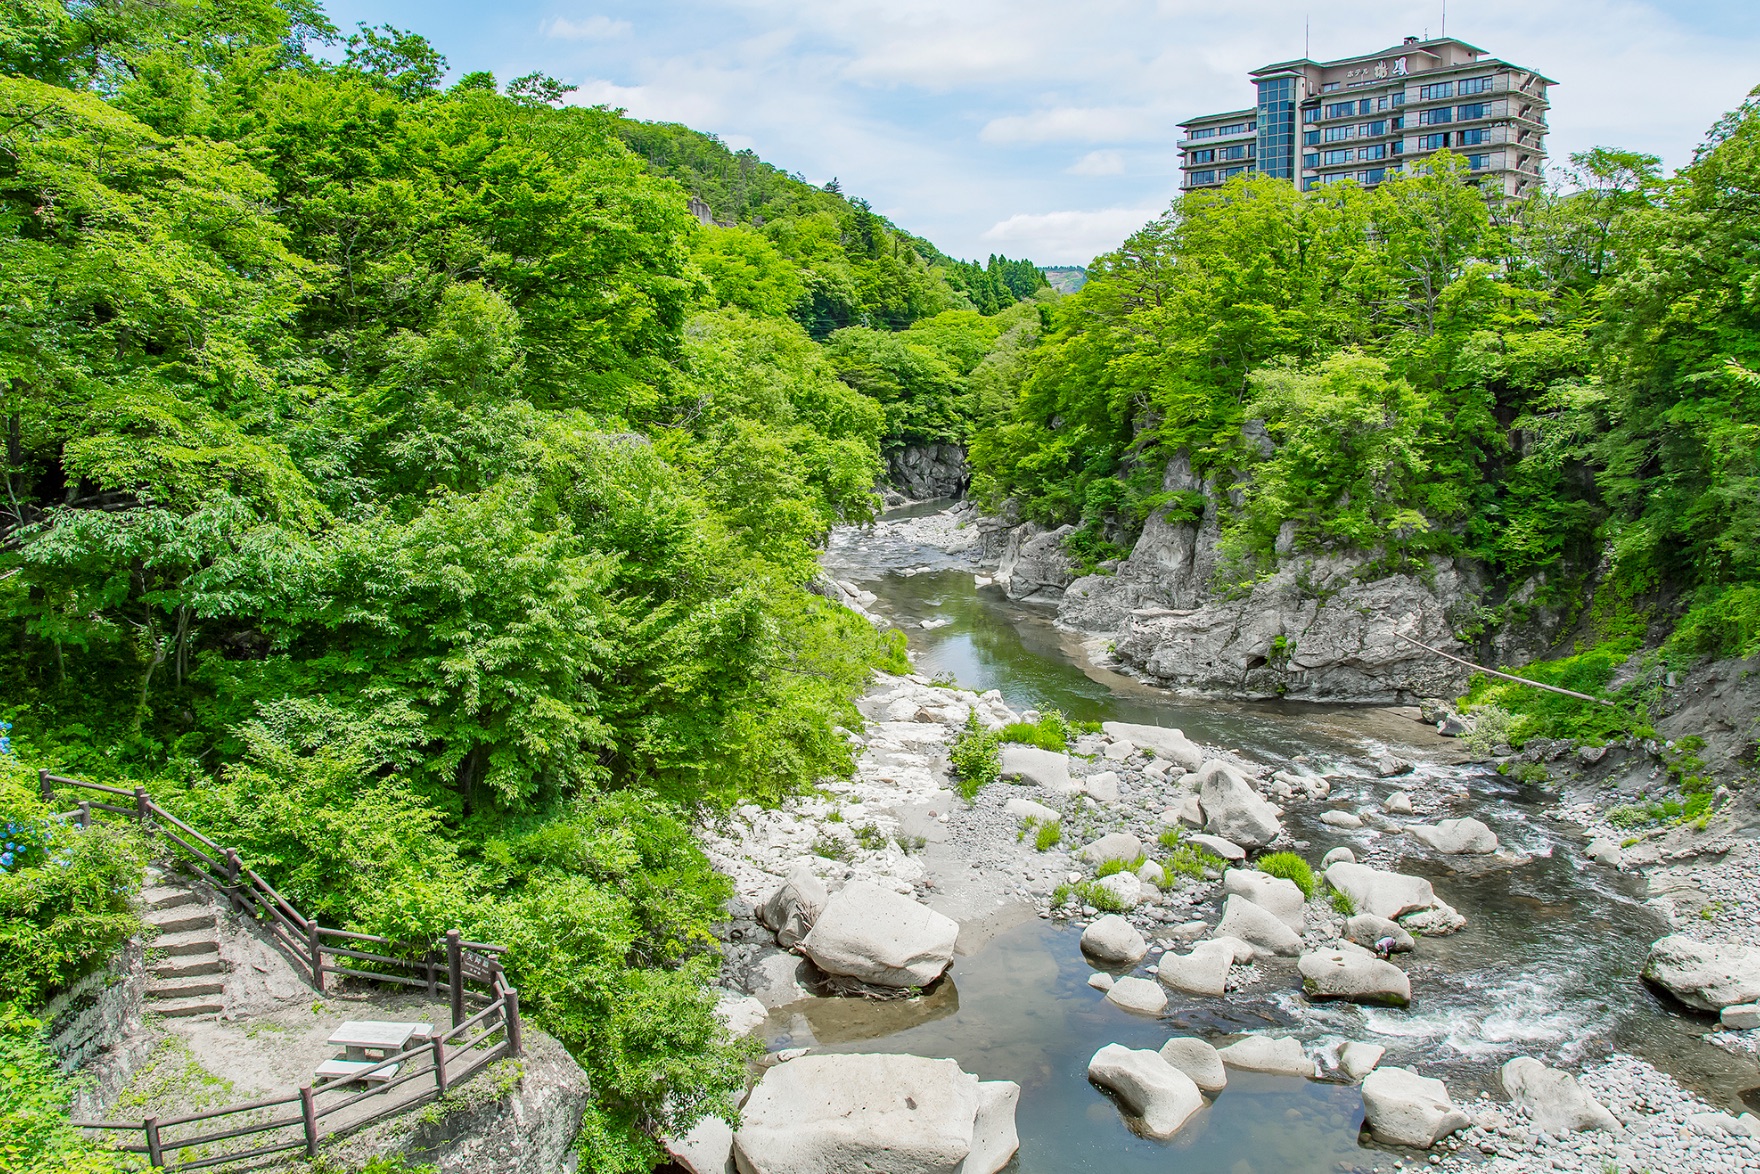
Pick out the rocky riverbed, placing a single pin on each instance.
(987, 866)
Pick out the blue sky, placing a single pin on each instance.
(1045, 128)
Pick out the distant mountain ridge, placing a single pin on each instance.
(1065, 278)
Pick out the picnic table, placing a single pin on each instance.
(367, 1042)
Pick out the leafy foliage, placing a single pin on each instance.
(975, 757)
(33, 1102)
(1290, 867)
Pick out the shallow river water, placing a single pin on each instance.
(1547, 965)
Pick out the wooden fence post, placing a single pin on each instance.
(308, 1112)
(155, 1153)
(85, 813)
(234, 869)
(439, 1046)
(455, 974)
(510, 1014)
(43, 786)
(317, 948)
(142, 804)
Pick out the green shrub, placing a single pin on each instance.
(1191, 860)
(895, 655)
(33, 1104)
(1109, 868)
(1061, 894)
(64, 897)
(1342, 903)
(1050, 732)
(1170, 839)
(975, 757)
(1100, 898)
(1048, 836)
(1290, 867)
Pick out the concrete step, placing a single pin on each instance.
(181, 920)
(179, 1008)
(190, 966)
(184, 945)
(167, 897)
(184, 988)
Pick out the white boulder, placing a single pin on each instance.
(1356, 1060)
(1343, 820)
(1404, 1108)
(1741, 1017)
(1257, 926)
(1366, 929)
(1398, 803)
(1198, 1060)
(1142, 995)
(1605, 850)
(860, 1114)
(741, 1014)
(1027, 809)
(1120, 846)
(1204, 971)
(1553, 1100)
(1354, 975)
(1283, 898)
(880, 937)
(1227, 850)
(1456, 837)
(1165, 741)
(706, 1149)
(1114, 941)
(1029, 764)
(1707, 975)
(1336, 855)
(1280, 1054)
(1151, 1089)
(1232, 809)
(791, 910)
(1102, 787)
(1385, 894)
(1125, 888)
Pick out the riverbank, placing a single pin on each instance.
(1532, 972)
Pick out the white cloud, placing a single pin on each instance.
(1098, 163)
(593, 28)
(1067, 237)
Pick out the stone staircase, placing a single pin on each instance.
(187, 975)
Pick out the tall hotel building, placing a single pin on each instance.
(1319, 122)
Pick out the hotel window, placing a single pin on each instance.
(1439, 90)
(1396, 148)
(1398, 123)
(1332, 157)
(1432, 142)
(1238, 151)
(1341, 110)
(1199, 178)
(1328, 87)
(1474, 85)
(1399, 99)
(1478, 162)
(1338, 134)
(1373, 130)
(1208, 132)
(1476, 110)
(1205, 156)
(1381, 103)
(1472, 138)
(1435, 117)
(1232, 172)
(1311, 160)
(1373, 175)
(1378, 151)
(1310, 138)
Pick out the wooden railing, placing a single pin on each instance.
(448, 1059)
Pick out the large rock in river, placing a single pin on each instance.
(1404, 1108)
(1150, 1088)
(1274, 894)
(1385, 894)
(1707, 975)
(1456, 837)
(1355, 975)
(1114, 941)
(1029, 764)
(1232, 809)
(1165, 741)
(1553, 1100)
(1034, 567)
(879, 937)
(791, 910)
(1257, 926)
(867, 1114)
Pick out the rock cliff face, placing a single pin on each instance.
(927, 472)
(1315, 630)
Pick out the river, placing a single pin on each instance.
(1546, 966)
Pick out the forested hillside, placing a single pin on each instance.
(1562, 390)
(401, 470)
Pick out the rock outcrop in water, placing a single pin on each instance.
(1707, 975)
(850, 1114)
(878, 937)
(1323, 626)
(1161, 1096)
(1404, 1108)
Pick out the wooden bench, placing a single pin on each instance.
(347, 1070)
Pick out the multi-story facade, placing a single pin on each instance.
(1363, 118)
